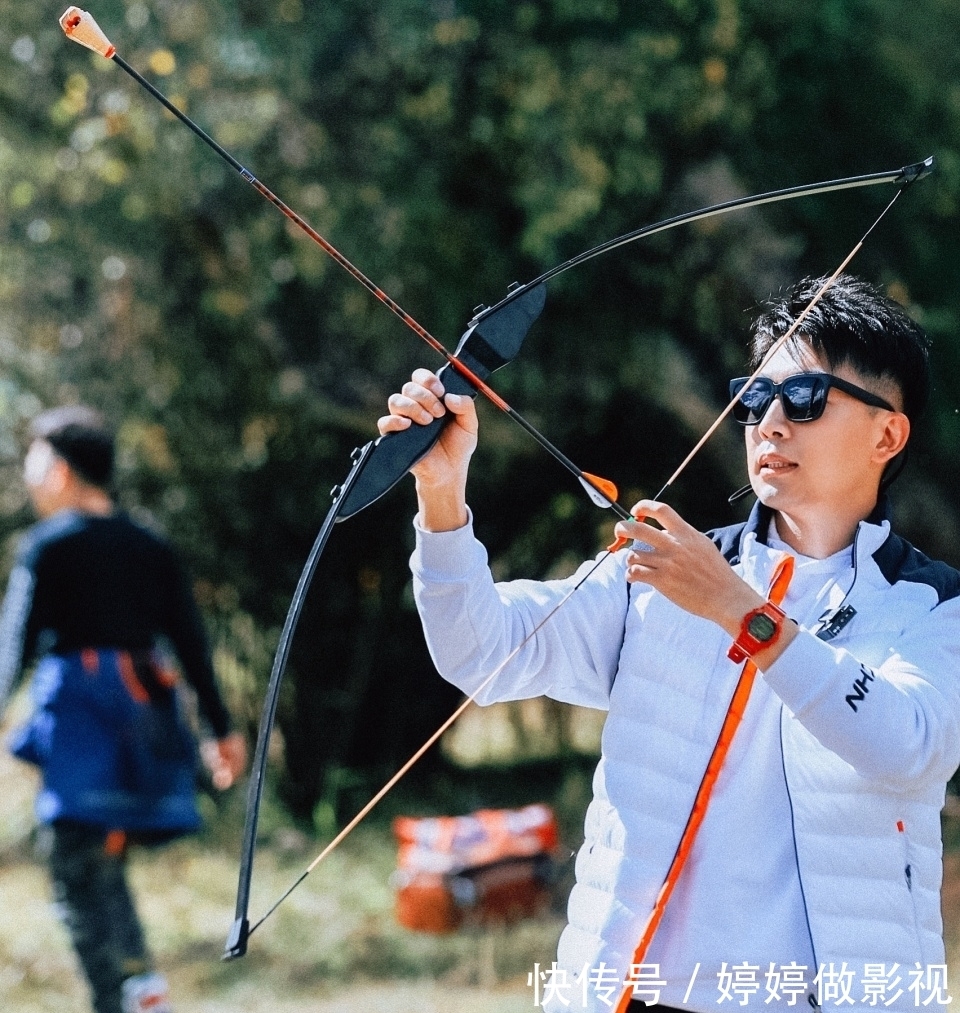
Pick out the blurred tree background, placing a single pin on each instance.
(448, 147)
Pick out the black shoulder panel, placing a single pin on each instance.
(44, 533)
(899, 560)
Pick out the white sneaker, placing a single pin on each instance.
(146, 993)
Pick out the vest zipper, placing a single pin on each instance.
(811, 997)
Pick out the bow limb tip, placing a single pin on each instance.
(919, 170)
(237, 940)
(81, 27)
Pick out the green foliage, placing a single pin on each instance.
(447, 148)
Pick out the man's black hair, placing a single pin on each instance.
(81, 437)
(856, 325)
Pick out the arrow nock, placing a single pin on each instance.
(81, 27)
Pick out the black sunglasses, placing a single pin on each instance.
(803, 396)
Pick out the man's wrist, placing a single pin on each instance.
(442, 508)
(736, 606)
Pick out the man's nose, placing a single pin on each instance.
(773, 422)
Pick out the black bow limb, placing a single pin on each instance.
(236, 945)
(496, 333)
(902, 177)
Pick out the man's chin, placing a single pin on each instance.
(773, 496)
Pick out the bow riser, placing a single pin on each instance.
(484, 347)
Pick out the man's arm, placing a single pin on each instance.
(14, 619)
(471, 624)
(899, 722)
(16, 631)
(226, 756)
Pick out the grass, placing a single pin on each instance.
(333, 947)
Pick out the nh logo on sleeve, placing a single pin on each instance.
(860, 688)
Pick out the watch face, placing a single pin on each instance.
(761, 627)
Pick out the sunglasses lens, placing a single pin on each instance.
(754, 401)
(804, 398)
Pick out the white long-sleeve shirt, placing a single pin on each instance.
(822, 841)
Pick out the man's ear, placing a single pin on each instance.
(60, 475)
(893, 436)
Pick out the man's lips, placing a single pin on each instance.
(773, 464)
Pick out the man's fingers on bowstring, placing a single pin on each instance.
(646, 566)
(664, 515)
(639, 574)
(640, 531)
(641, 562)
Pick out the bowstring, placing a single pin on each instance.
(778, 344)
(365, 811)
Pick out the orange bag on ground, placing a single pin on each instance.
(491, 867)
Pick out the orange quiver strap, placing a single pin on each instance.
(731, 722)
(491, 867)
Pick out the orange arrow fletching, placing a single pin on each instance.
(80, 26)
(604, 486)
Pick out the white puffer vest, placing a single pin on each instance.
(870, 733)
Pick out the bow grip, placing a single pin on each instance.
(490, 342)
(396, 453)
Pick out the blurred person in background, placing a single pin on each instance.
(91, 595)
